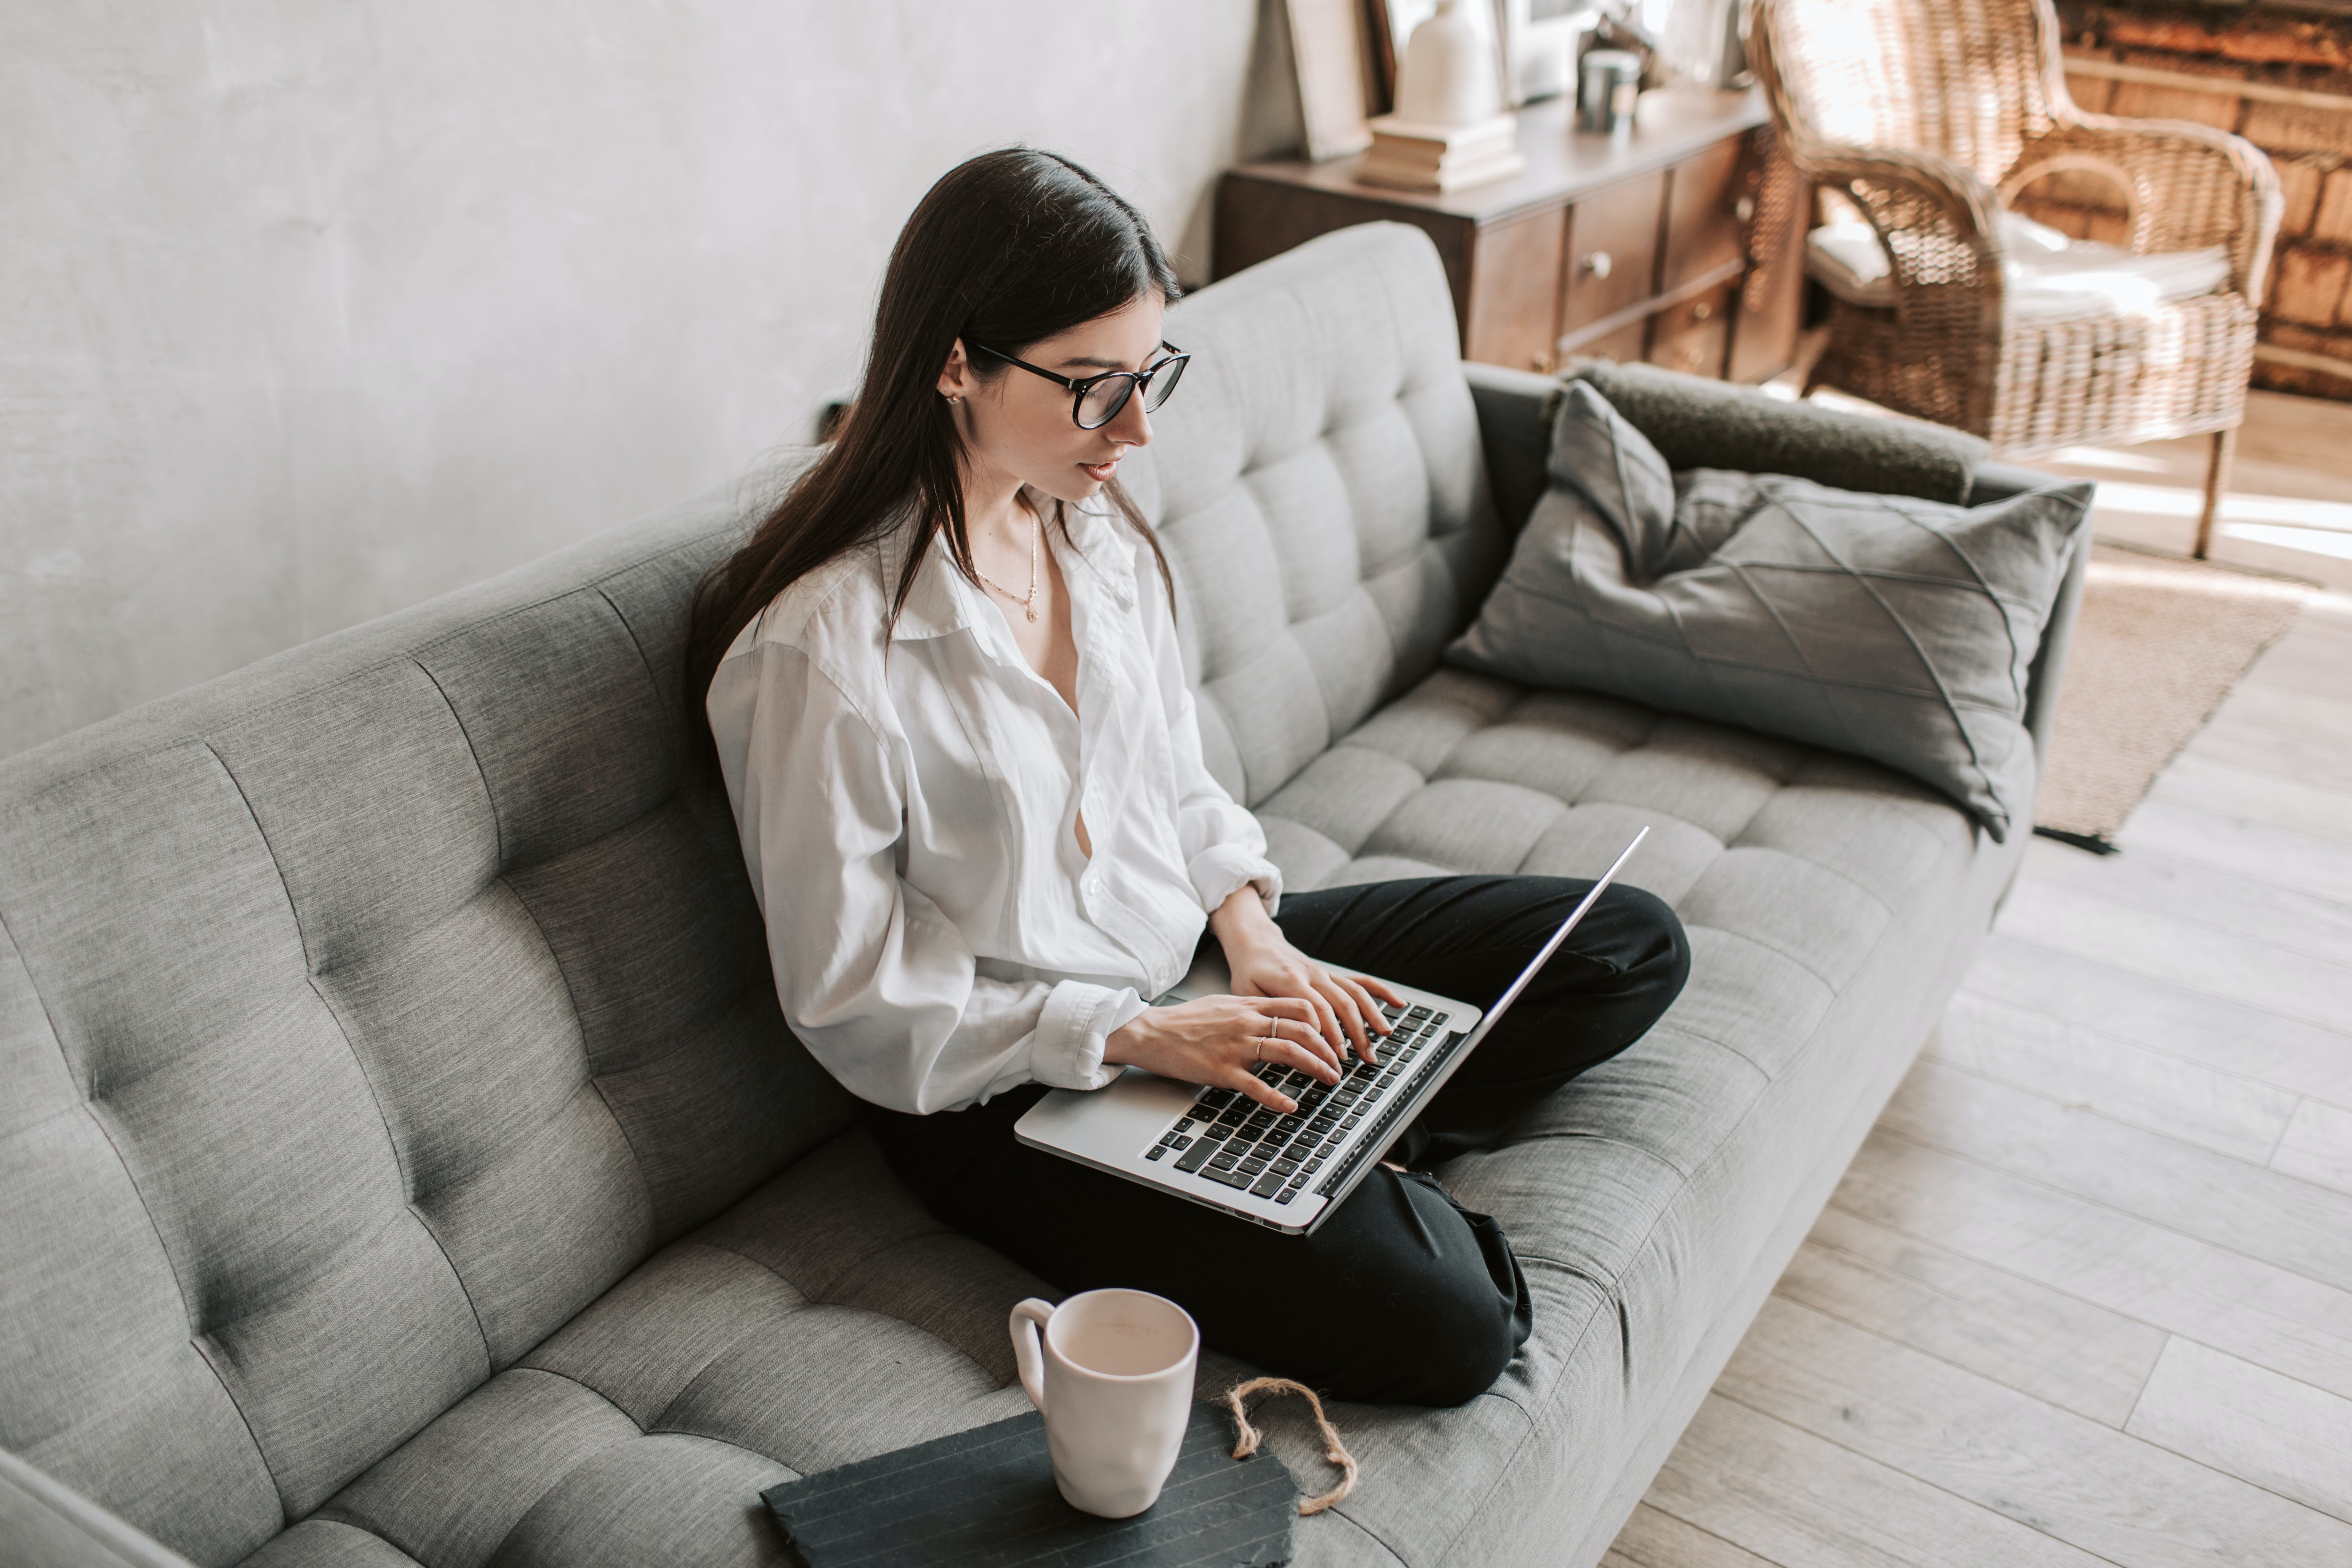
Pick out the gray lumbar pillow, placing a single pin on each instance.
(1896, 628)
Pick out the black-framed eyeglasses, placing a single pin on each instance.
(1095, 400)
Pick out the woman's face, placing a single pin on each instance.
(1018, 426)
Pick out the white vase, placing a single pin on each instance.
(1448, 76)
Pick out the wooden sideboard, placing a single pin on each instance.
(1679, 243)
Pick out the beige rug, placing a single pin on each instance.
(2160, 642)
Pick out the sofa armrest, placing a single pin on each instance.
(1695, 422)
(1698, 423)
(44, 1521)
(1991, 481)
(1515, 415)
(2049, 667)
(1997, 481)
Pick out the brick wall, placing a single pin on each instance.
(2308, 309)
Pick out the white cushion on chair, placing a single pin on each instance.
(2051, 277)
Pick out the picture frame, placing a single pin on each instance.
(1383, 50)
(1332, 60)
(1391, 22)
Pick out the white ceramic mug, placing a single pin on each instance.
(1112, 1375)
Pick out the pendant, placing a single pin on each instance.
(1033, 611)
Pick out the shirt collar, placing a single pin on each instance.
(939, 602)
(1105, 547)
(933, 607)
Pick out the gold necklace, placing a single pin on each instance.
(1028, 601)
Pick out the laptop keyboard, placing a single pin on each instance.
(1234, 1140)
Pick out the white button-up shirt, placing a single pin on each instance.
(910, 822)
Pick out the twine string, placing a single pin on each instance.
(1333, 1449)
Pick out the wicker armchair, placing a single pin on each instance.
(1930, 114)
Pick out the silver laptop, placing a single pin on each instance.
(1219, 1147)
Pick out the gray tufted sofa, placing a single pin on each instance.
(404, 1160)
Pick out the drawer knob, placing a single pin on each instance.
(1539, 361)
(1744, 208)
(1702, 311)
(1599, 264)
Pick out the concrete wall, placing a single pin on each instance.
(313, 309)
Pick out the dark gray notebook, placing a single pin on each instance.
(986, 1499)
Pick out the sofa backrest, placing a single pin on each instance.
(1317, 487)
(363, 1016)
(367, 1013)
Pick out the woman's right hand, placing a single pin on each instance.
(1218, 1040)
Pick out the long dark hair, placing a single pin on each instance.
(1007, 249)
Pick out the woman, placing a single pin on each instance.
(944, 690)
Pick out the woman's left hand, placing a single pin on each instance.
(1264, 964)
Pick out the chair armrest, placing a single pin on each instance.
(1514, 415)
(44, 1521)
(1939, 223)
(1936, 218)
(2190, 186)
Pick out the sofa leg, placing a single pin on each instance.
(2217, 485)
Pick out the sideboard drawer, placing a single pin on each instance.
(1514, 269)
(1694, 336)
(1706, 226)
(1612, 254)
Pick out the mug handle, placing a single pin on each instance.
(1028, 1319)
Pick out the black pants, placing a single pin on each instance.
(1402, 1295)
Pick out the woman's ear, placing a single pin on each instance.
(955, 376)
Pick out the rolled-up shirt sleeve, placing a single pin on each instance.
(1222, 845)
(879, 985)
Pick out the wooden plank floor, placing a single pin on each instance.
(2086, 1295)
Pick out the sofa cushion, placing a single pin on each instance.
(825, 1317)
(363, 1016)
(1822, 894)
(1888, 626)
(1319, 490)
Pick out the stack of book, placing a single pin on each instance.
(1407, 154)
